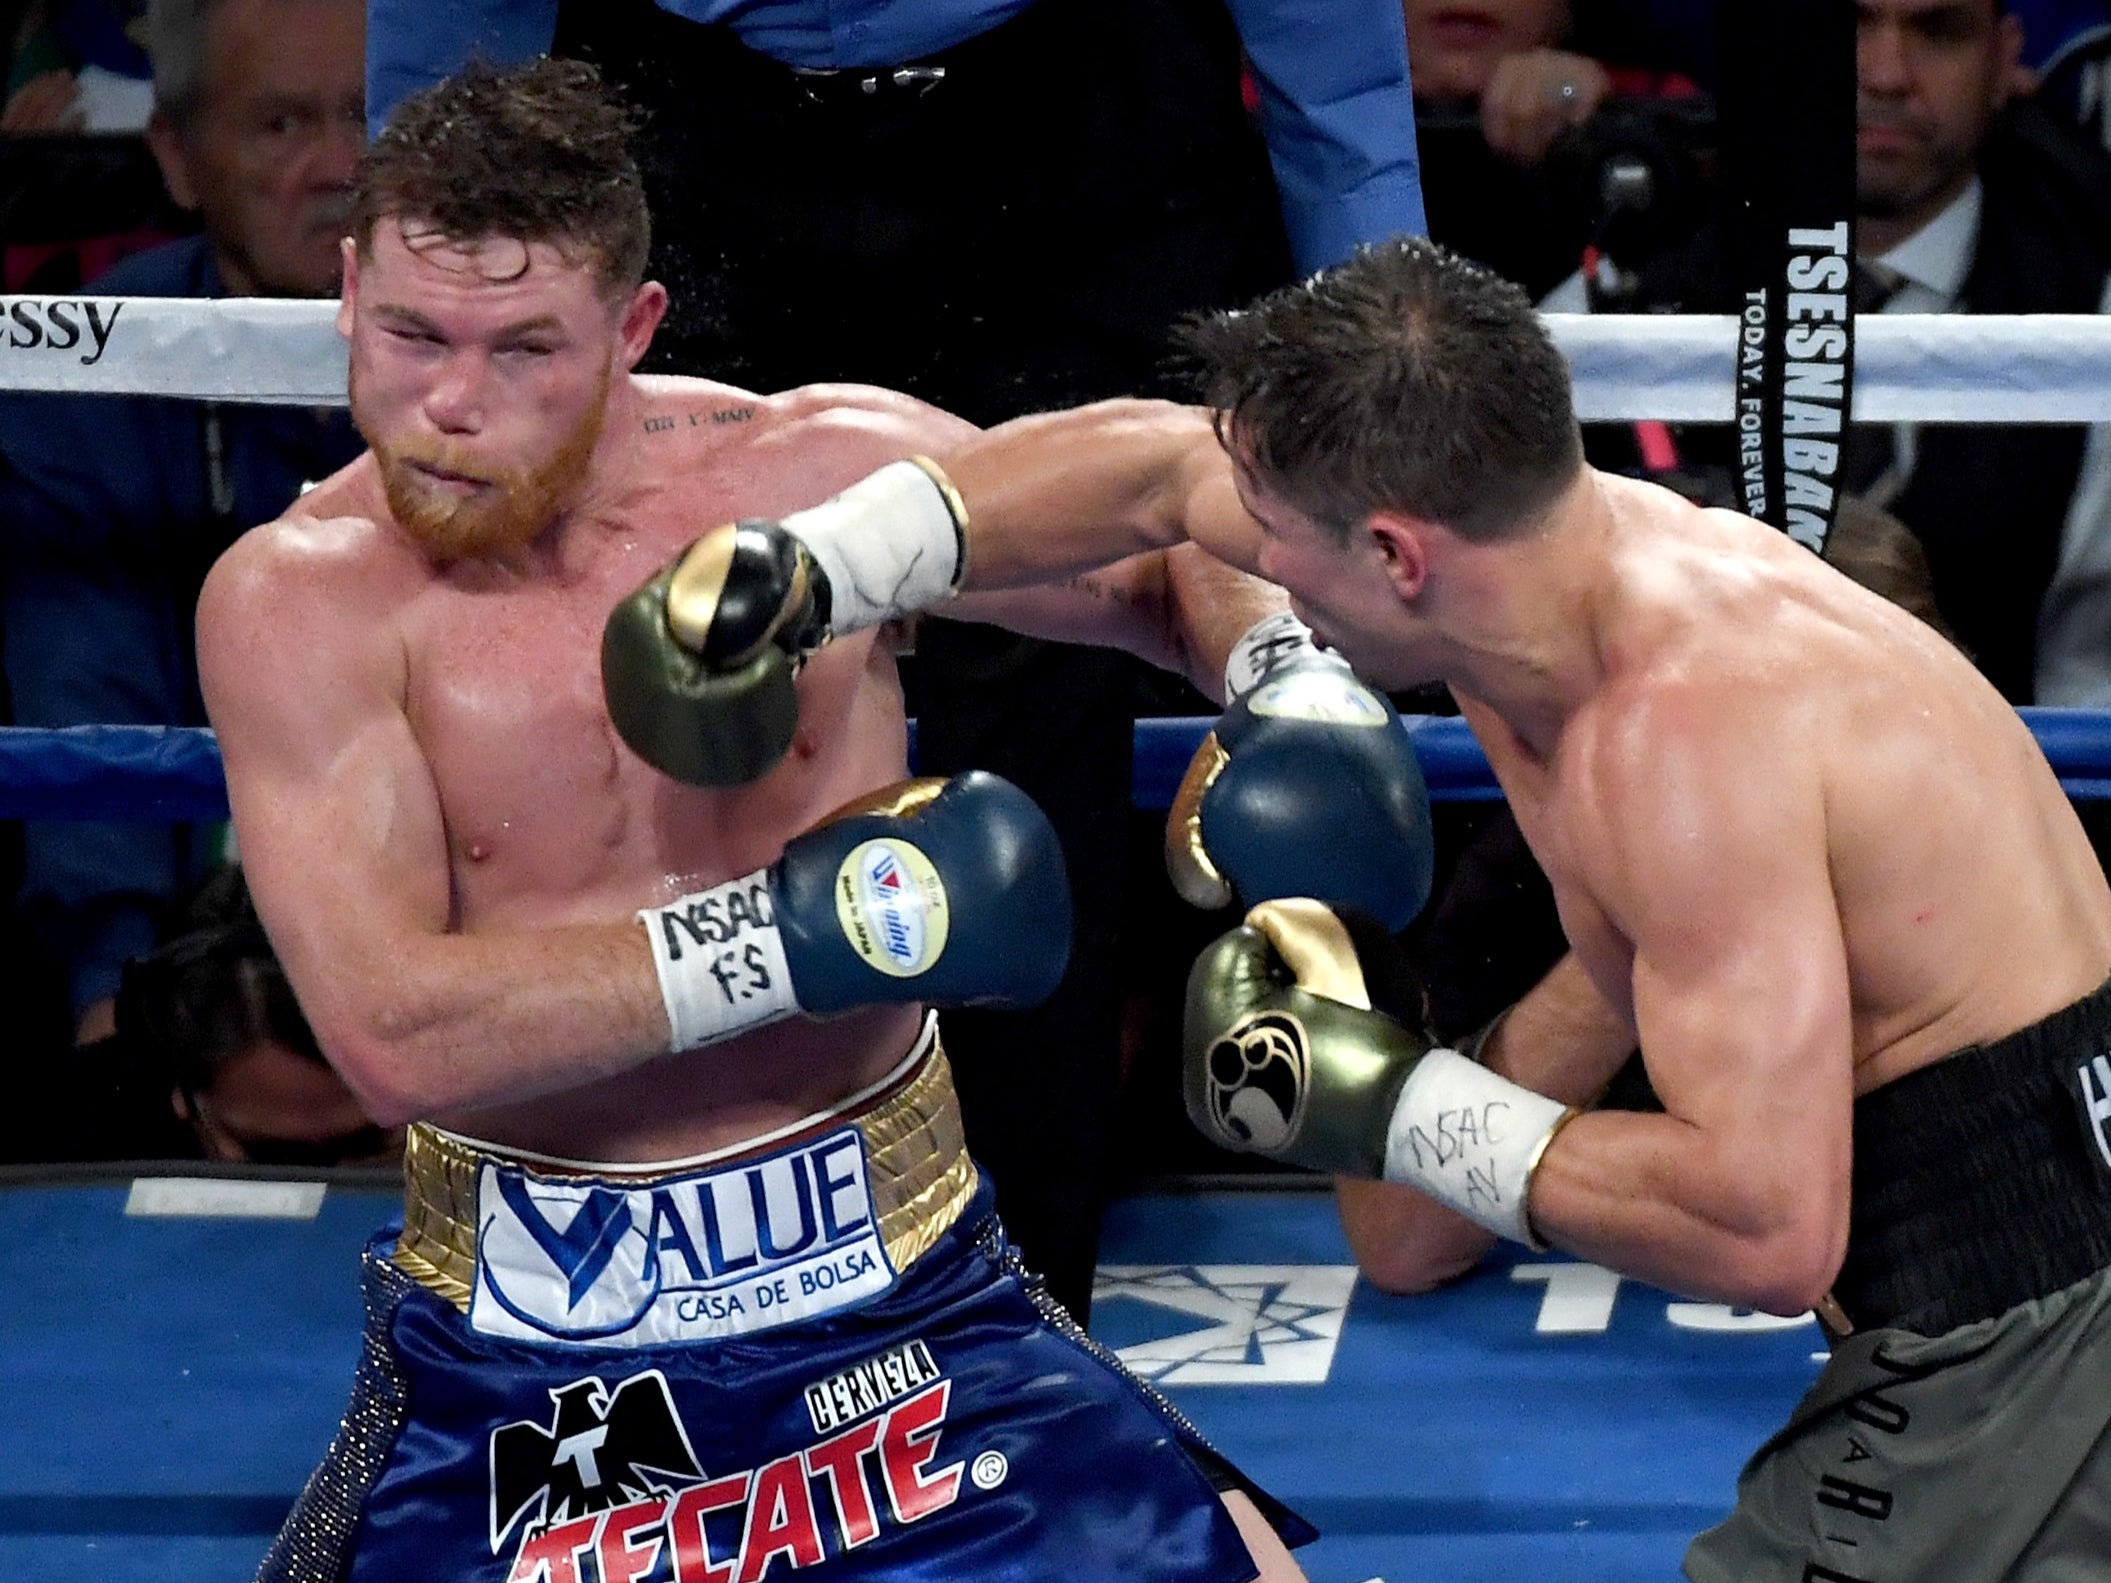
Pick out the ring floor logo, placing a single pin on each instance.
(1280, 1324)
(1223, 1324)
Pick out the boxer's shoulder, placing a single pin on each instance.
(770, 454)
(844, 431)
(336, 542)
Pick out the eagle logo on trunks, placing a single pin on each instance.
(603, 1448)
(892, 907)
(612, 1487)
(711, 1253)
(2094, 1075)
(1258, 1076)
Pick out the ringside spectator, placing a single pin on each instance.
(76, 66)
(1970, 200)
(112, 508)
(1506, 98)
(210, 1012)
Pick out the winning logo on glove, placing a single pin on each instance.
(1322, 697)
(1258, 1076)
(892, 906)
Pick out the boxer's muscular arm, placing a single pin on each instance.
(1055, 494)
(1560, 1039)
(1703, 831)
(1114, 524)
(345, 851)
(1180, 609)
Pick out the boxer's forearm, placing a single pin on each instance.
(1560, 1039)
(1056, 494)
(1744, 1205)
(1210, 608)
(422, 1027)
(1404, 1240)
(1697, 1211)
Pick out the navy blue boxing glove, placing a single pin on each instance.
(950, 892)
(1307, 786)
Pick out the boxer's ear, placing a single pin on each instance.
(1403, 546)
(348, 287)
(172, 155)
(640, 320)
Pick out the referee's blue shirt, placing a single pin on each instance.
(1336, 109)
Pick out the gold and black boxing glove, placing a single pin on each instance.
(698, 666)
(1285, 1055)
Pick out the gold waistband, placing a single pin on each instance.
(916, 1155)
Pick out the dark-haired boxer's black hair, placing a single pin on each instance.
(1405, 379)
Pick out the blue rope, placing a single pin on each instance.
(173, 772)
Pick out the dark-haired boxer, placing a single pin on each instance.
(1804, 854)
(696, 1278)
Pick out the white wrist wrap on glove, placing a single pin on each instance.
(721, 962)
(1270, 644)
(893, 543)
(1471, 1140)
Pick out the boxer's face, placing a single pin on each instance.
(1930, 76)
(480, 375)
(1343, 587)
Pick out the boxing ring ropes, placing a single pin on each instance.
(1589, 1428)
(2045, 368)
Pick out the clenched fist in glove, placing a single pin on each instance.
(942, 892)
(1286, 1054)
(698, 666)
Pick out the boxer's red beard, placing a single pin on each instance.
(513, 509)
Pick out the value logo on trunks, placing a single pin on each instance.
(2094, 1075)
(721, 1253)
(612, 1489)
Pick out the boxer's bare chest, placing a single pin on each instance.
(549, 817)
(1542, 802)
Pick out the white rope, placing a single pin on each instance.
(1931, 368)
(1939, 368)
(253, 349)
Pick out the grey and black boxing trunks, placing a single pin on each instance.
(1961, 1430)
(818, 1352)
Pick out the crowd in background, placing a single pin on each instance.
(202, 148)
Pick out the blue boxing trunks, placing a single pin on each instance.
(815, 1352)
